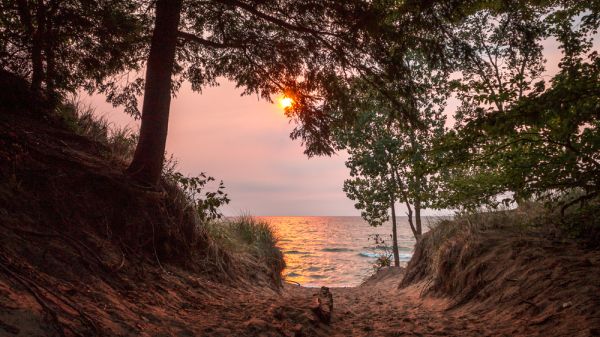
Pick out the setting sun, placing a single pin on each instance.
(286, 102)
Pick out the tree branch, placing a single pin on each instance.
(208, 43)
(252, 10)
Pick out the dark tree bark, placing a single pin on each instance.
(35, 34)
(49, 53)
(37, 45)
(397, 181)
(395, 236)
(148, 159)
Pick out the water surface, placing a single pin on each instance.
(334, 251)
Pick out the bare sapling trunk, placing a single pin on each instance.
(148, 159)
(419, 228)
(397, 181)
(49, 38)
(395, 235)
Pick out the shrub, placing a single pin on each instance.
(383, 252)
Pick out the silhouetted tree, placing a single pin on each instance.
(147, 162)
(62, 46)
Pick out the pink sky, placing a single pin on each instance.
(245, 142)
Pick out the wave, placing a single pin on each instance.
(317, 276)
(400, 248)
(292, 252)
(402, 257)
(336, 250)
(405, 257)
(312, 268)
(367, 254)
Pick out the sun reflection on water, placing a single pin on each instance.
(332, 251)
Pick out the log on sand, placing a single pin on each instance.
(322, 304)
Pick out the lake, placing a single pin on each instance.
(335, 251)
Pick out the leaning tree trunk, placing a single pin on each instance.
(149, 154)
(395, 236)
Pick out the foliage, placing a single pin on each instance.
(61, 46)
(368, 77)
(384, 254)
(529, 141)
(501, 58)
(389, 160)
(582, 222)
(205, 203)
(305, 49)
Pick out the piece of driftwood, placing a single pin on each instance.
(322, 304)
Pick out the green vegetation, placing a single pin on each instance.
(528, 140)
(383, 252)
(91, 212)
(63, 46)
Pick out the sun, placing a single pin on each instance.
(286, 102)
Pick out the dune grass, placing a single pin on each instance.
(457, 241)
(247, 236)
(449, 239)
(85, 121)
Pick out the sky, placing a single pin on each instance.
(245, 142)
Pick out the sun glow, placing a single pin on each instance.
(286, 102)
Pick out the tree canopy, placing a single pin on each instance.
(369, 77)
(63, 46)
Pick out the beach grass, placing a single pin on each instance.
(248, 236)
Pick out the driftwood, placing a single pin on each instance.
(322, 304)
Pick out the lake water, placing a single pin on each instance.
(335, 251)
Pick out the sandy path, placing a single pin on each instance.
(379, 308)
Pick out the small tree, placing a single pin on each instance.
(390, 161)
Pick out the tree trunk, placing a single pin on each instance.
(405, 198)
(395, 236)
(410, 220)
(147, 163)
(50, 39)
(419, 228)
(37, 61)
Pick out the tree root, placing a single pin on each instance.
(36, 290)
